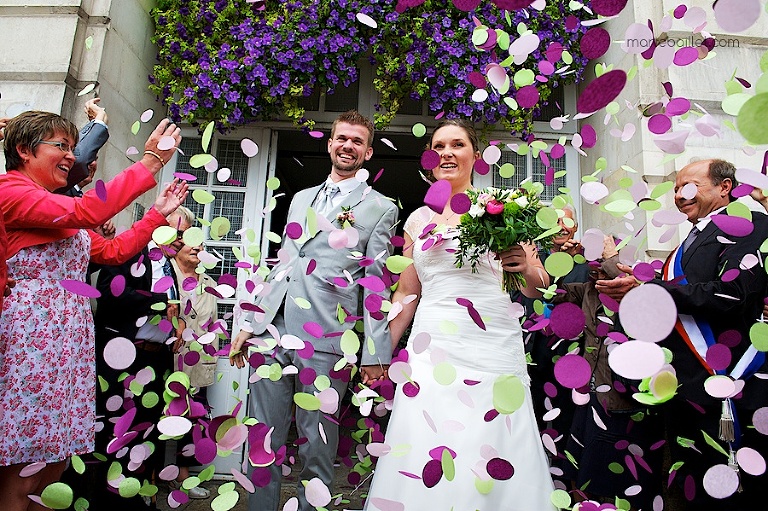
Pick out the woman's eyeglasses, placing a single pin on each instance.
(63, 146)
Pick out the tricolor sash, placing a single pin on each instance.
(698, 336)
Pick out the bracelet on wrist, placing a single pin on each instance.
(162, 161)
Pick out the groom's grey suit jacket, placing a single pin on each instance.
(375, 217)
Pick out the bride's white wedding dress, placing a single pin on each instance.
(464, 374)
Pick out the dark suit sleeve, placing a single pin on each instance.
(131, 302)
(378, 330)
(92, 137)
(706, 292)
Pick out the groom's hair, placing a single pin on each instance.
(354, 117)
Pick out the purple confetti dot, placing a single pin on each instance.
(185, 176)
(528, 96)
(733, 225)
(460, 203)
(481, 167)
(601, 91)
(477, 79)
(500, 469)
(437, 196)
(644, 272)
(490, 415)
(550, 389)
(572, 371)
(397, 241)
(608, 7)
(685, 55)
(730, 338)
(659, 123)
(567, 320)
(680, 11)
(261, 477)
(411, 389)
(294, 230)
(595, 42)
(307, 376)
(430, 159)
(718, 357)
(432, 473)
(373, 303)
(678, 106)
(191, 358)
(546, 67)
(554, 52)
(730, 275)
(557, 152)
(588, 136)
(117, 286)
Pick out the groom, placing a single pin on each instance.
(316, 271)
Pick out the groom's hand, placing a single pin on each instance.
(373, 373)
(236, 353)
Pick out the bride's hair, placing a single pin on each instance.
(468, 128)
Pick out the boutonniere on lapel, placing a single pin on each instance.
(346, 218)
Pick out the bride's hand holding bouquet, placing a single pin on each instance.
(498, 221)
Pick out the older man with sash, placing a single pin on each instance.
(717, 280)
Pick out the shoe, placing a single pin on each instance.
(198, 492)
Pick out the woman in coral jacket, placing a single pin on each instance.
(47, 352)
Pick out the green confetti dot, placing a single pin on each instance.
(751, 120)
(740, 210)
(190, 482)
(511, 103)
(479, 37)
(275, 372)
(302, 303)
(502, 39)
(398, 263)
(81, 504)
(273, 183)
(273, 237)
(129, 487)
(202, 196)
(306, 401)
(620, 206)
(350, 343)
(77, 464)
(758, 334)
(507, 170)
(444, 373)
(150, 400)
(226, 488)
(200, 160)
(483, 487)
(508, 393)
(616, 468)
(419, 130)
(733, 103)
(322, 382)
(547, 217)
(524, 77)
(57, 496)
(662, 188)
(449, 468)
(449, 327)
(567, 57)
(207, 473)
(649, 205)
(559, 264)
(561, 499)
(612, 108)
(207, 134)
(89, 42)
(225, 501)
(135, 127)
(194, 237)
(220, 227)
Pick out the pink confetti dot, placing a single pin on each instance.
(608, 7)
(659, 123)
(685, 56)
(460, 203)
(482, 167)
(595, 42)
(528, 96)
(601, 91)
(430, 159)
(572, 371)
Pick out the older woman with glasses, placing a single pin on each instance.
(47, 353)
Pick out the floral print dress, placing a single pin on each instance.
(47, 356)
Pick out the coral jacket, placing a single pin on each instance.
(33, 215)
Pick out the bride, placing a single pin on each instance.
(462, 435)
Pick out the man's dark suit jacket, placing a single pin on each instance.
(734, 305)
(116, 316)
(92, 137)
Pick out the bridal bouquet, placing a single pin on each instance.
(497, 219)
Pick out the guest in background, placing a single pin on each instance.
(145, 311)
(46, 332)
(199, 322)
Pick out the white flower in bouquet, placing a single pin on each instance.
(476, 210)
(522, 201)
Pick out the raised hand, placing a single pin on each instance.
(158, 148)
(94, 111)
(617, 288)
(171, 196)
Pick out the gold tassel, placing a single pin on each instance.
(735, 466)
(727, 433)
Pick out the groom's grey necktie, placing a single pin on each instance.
(324, 203)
